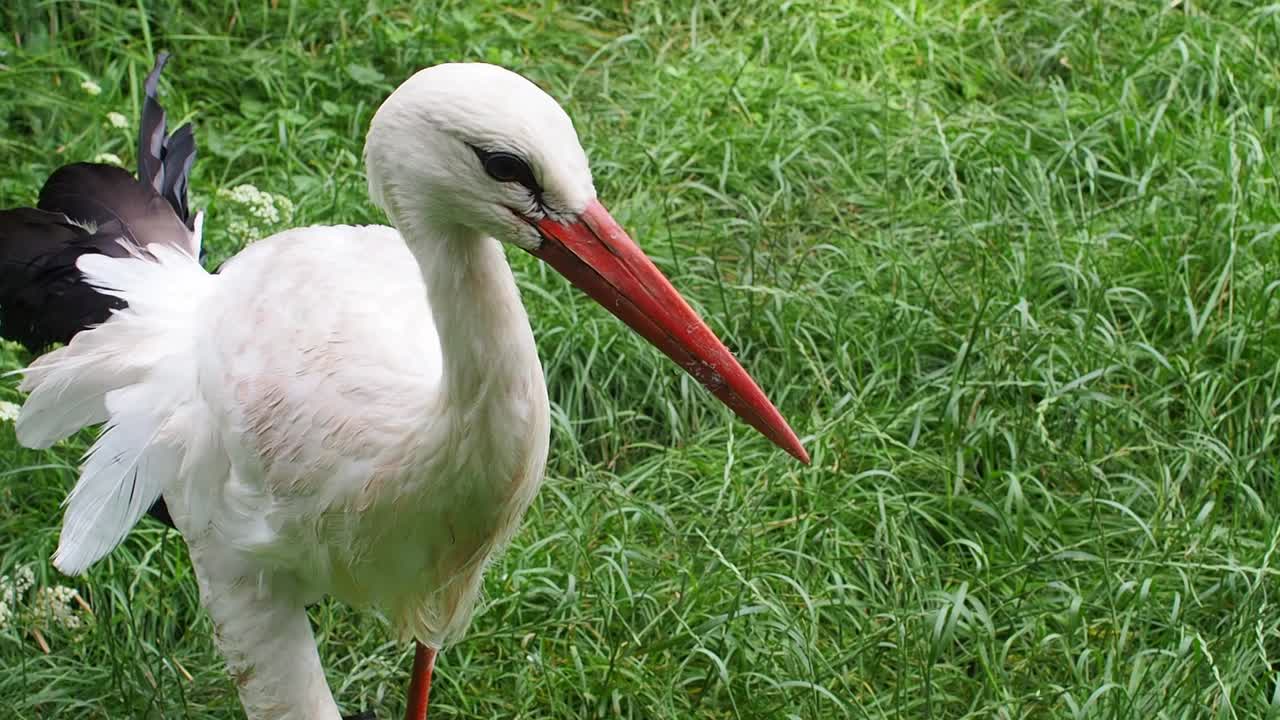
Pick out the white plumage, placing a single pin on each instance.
(137, 377)
(355, 411)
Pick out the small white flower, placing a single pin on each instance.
(117, 120)
(53, 606)
(12, 590)
(241, 230)
(109, 159)
(259, 212)
(26, 577)
(91, 88)
(8, 601)
(9, 412)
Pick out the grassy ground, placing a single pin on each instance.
(1011, 268)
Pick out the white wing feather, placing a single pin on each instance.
(135, 372)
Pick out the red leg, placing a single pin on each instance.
(424, 661)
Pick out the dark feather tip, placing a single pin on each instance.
(164, 161)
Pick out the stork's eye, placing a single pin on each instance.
(505, 167)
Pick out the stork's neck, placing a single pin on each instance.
(487, 345)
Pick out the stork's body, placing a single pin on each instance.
(372, 457)
(356, 411)
(406, 413)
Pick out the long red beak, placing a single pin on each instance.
(596, 255)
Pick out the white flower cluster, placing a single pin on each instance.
(91, 88)
(12, 590)
(255, 213)
(115, 119)
(109, 159)
(52, 607)
(9, 411)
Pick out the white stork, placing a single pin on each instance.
(357, 411)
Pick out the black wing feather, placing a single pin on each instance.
(89, 208)
(180, 155)
(43, 298)
(164, 161)
(151, 131)
(94, 194)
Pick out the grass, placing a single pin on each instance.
(1011, 268)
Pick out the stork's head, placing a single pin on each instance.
(480, 147)
(473, 150)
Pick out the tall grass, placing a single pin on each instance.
(1011, 268)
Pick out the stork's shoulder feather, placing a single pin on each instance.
(318, 363)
